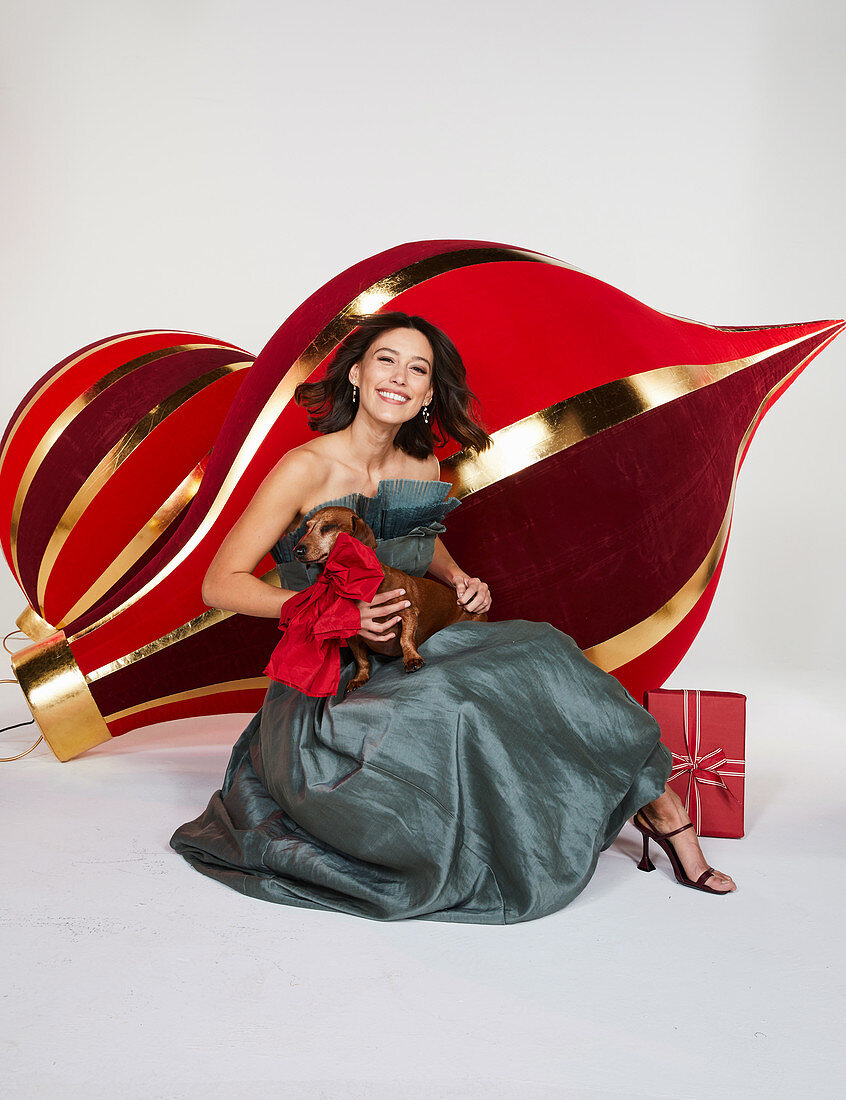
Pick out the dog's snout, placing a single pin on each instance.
(299, 551)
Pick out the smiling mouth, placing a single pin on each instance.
(393, 398)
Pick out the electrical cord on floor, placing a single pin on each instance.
(17, 724)
(3, 729)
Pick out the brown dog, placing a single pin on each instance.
(432, 605)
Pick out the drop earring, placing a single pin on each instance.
(426, 413)
(355, 393)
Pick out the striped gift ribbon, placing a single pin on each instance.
(707, 770)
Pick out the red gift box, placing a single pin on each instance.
(706, 732)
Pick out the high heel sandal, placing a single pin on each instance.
(646, 864)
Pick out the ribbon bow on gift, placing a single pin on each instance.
(315, 621)
(708, 769)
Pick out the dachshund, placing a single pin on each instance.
(432, 605)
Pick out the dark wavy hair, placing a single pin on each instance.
(452, 411)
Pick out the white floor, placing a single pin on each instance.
(129, 974)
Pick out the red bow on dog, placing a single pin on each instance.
(315, 621)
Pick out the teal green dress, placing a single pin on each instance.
(481, 788)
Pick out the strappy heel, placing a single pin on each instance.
(646, 864)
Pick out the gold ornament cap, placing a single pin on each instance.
(58, 696)
(29, 622)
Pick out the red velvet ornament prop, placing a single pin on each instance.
(603, 507)
(98, 467)
(101, 460)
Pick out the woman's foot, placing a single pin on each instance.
(667, 813)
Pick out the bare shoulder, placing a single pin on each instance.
(300, 475)
(434, 468)
(274, 508)
(422, 469)
(305, 462)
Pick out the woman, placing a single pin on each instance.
(483, 787)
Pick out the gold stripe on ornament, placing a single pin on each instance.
(66, 417)
(209, 618)
(552, 430)
(114, 458)
(33, 625)
(640, 638)
(256, 683)
(48, 382)
(58, 426)
(374, 298)
(140, 543)
(608, 655)
(58, 696)
(368, 301)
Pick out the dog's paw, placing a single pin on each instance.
(354, 685)
(413, 663)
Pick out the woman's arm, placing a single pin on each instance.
(473, 593)
(229, 582)
(443, 566)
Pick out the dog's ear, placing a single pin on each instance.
(362, 532)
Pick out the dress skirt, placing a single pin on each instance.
(481, 788)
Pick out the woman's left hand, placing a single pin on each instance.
(473, 594)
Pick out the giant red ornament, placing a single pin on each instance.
(101, 460)
(98, 467)
(603, 507)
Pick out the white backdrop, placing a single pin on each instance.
(208, 164)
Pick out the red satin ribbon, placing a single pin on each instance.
(315, 621)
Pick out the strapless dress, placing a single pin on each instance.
(481, 788)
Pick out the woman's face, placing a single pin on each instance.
(394, 376)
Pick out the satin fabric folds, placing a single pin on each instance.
(480, 789)
(316, 620)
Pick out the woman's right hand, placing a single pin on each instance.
(383, 604)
